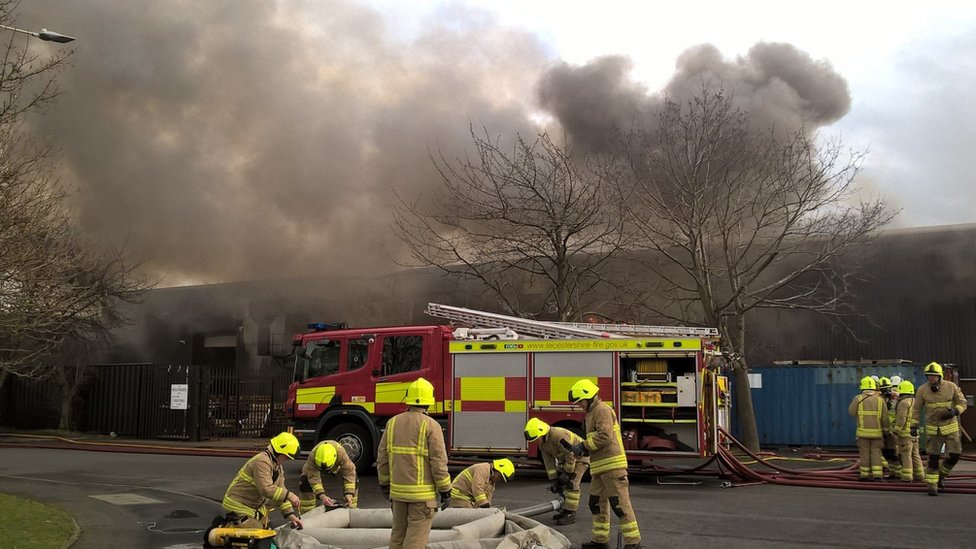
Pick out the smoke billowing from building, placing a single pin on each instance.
(234, 140)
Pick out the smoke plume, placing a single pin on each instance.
(777, 84)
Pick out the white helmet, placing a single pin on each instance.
(895, 380)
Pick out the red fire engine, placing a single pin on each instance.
(662, 381)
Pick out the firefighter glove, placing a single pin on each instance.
(445, 499)
(386, 491)
(577, 449)
(914, 431)
(554, 486)
(950, 413)
(564, 480)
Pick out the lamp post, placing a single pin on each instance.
(44, 34)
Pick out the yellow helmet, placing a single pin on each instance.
(867, 382)
(326, 456)
(884, 383)
(934, 369)
(535, 428)
(583, 389)
(420, 393)
(285, 443)
(505, 468)
(906, 388)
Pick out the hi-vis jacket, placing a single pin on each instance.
(412, 458)
(872, 414)
(603, 439)
(474, 485)
(936, 403)
(344, 467)
(260, 482)
(555, 456)
(903, 416)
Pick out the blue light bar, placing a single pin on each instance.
(326, 326)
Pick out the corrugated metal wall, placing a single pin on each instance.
(806, 405)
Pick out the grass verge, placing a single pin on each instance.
(29, 524)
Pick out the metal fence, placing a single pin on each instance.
(152, 401)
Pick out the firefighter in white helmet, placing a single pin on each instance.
(411, 464)
(872, 421)
(943, 402)
(475, 485)
(608, 468)
(564, 470)
(260, 483)
(328, 457)
(911, 461)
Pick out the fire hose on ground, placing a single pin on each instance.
(835, 478)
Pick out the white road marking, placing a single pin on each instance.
(127, 499)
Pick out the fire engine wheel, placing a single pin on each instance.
(358, 444)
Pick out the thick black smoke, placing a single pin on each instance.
(232, 139)
(777, 84)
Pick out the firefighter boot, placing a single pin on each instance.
(565, 517)
(941, 483)
(633, 546)
(595, 545)
(933, 490)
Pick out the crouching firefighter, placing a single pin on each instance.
(563, 468)
(608, 468)
(259, 483)
(475, 486)
(943, 402)
(328, 457)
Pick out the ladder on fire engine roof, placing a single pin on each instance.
(561, 330)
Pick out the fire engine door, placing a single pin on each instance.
(489, 408)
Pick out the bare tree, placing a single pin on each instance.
(539, 215)
(740, 219)
(53, 284)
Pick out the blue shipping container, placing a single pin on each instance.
(806, 404)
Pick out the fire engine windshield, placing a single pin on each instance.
(318, 358)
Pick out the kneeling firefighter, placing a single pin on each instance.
(563, 468)
(475, 486)
(258, 484)
(328, 457)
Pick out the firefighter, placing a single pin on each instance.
(608, 468)
(910, 460)
(474, 486)
(328, 457)
(890, 463)
(872, 421)
(564, 469)
(412, 468)
(943, 402)
(260, 482)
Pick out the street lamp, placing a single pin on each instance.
(46, 35)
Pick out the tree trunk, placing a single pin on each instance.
(67, 396)
(745, 415)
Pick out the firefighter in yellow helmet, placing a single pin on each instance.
(943, 402)
(564, 469)
(872, 421)
(411, 464)
(328, 457)
(889, 453)
(260, 483)
(908, 456)
(608, 468)
(474, 486)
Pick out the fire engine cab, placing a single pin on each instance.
(491, 376)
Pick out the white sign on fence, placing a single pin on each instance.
(178, 396)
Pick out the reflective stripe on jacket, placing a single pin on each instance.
(935, 404)
(344, 468)
(259, 483)
(474, 484)
(555, 456)
(871, 413)
(412, 458)
(603, 439)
